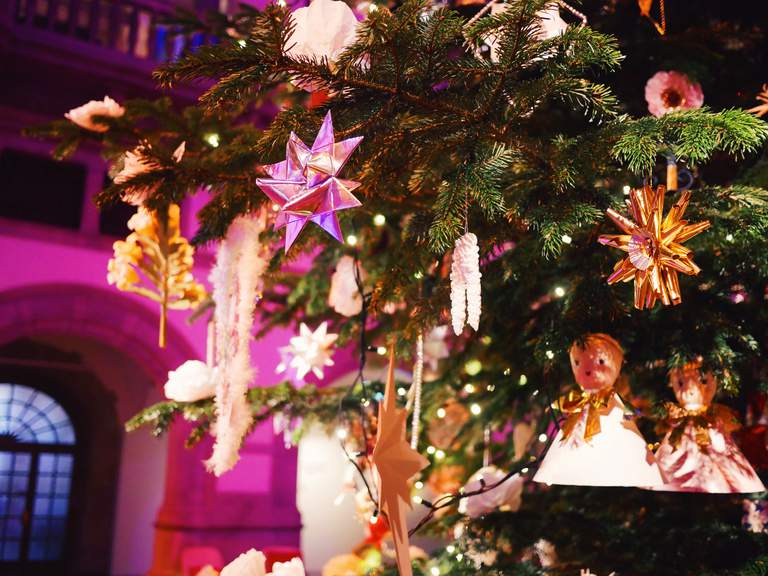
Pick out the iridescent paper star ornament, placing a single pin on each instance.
(654, 246)
(396, 463)
(306, 186)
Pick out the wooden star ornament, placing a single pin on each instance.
(653, 243)
(396, 463)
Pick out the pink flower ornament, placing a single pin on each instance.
(83, 115)
(671, 91)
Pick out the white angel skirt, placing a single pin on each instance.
(617, 456)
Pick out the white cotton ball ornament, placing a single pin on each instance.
(507, 496)
(466, 302)
(344, 296)
(192, 381)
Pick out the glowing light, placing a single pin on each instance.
(241, 43)
(374, 519)
(212, 139)
(450, 548)
(524, 471)
(535, 393)
(469, 388)
(373, 8)
(550, 354)
(459, 557)
(523, 380)
(507, 371)
(543, 438)
(431, 449)
(365, 402)
(381, 350)
(729, 237)
(626, 189)
(417, 499)
(441, 412)
(435, 571)
(275, 207)
(439, 454)
(342, 433)
(418, 485)
(280, 3)
(559, 291)
(352, 240)
(379, 219)
(401, 391)
(473, 367)
(566, 239)
(419, 275)
(475, 409)
(491, 387)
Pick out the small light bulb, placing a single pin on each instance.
(372, 7)
(379, 219)
(491, 387)
(241, 43)
(212, 139)
(418, 485)
(459, 557)
(419, 275)
(352, 240)
(401, 391)
(417, 499)
(535, 393)
(523, 380)
(469, 388)
(435, 571)
(626, 189)
(543, 438)
(275, 207)
(729, 237)
(431, 449)
(441, 412)
(524, 471)
(381, 350)
(566, 239)
(374, 519)
(439, 454)
(475, 409)
(280, 3)
(559, 291)
(342, 433)
(473, 367)
(550, 354)
(450, 548)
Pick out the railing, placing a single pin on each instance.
(131, 27)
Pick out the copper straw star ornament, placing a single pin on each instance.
(306, 186)
(654, 246)
(396, 463)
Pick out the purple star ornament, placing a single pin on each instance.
(306, 185)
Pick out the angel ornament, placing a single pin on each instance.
(698, 453)
(597, 444)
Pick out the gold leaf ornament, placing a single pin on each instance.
(654, 246)
(156, 261)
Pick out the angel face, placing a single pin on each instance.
(693, 388)
(598, 363)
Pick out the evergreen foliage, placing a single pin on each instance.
(527, 152)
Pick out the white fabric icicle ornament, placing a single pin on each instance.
(240, 263)
(465, 283)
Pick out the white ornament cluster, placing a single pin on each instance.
(465, 283)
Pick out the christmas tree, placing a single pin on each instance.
(500, 145)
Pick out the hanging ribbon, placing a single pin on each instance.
(700, 421)
(576, 402)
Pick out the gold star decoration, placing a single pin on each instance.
(653, 244)
(396, 463)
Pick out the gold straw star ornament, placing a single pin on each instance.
(654, 246)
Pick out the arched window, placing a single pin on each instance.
(37, 442)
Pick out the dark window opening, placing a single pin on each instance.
(38, 189)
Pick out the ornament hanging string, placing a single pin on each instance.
(580, 15)
(645, 11)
